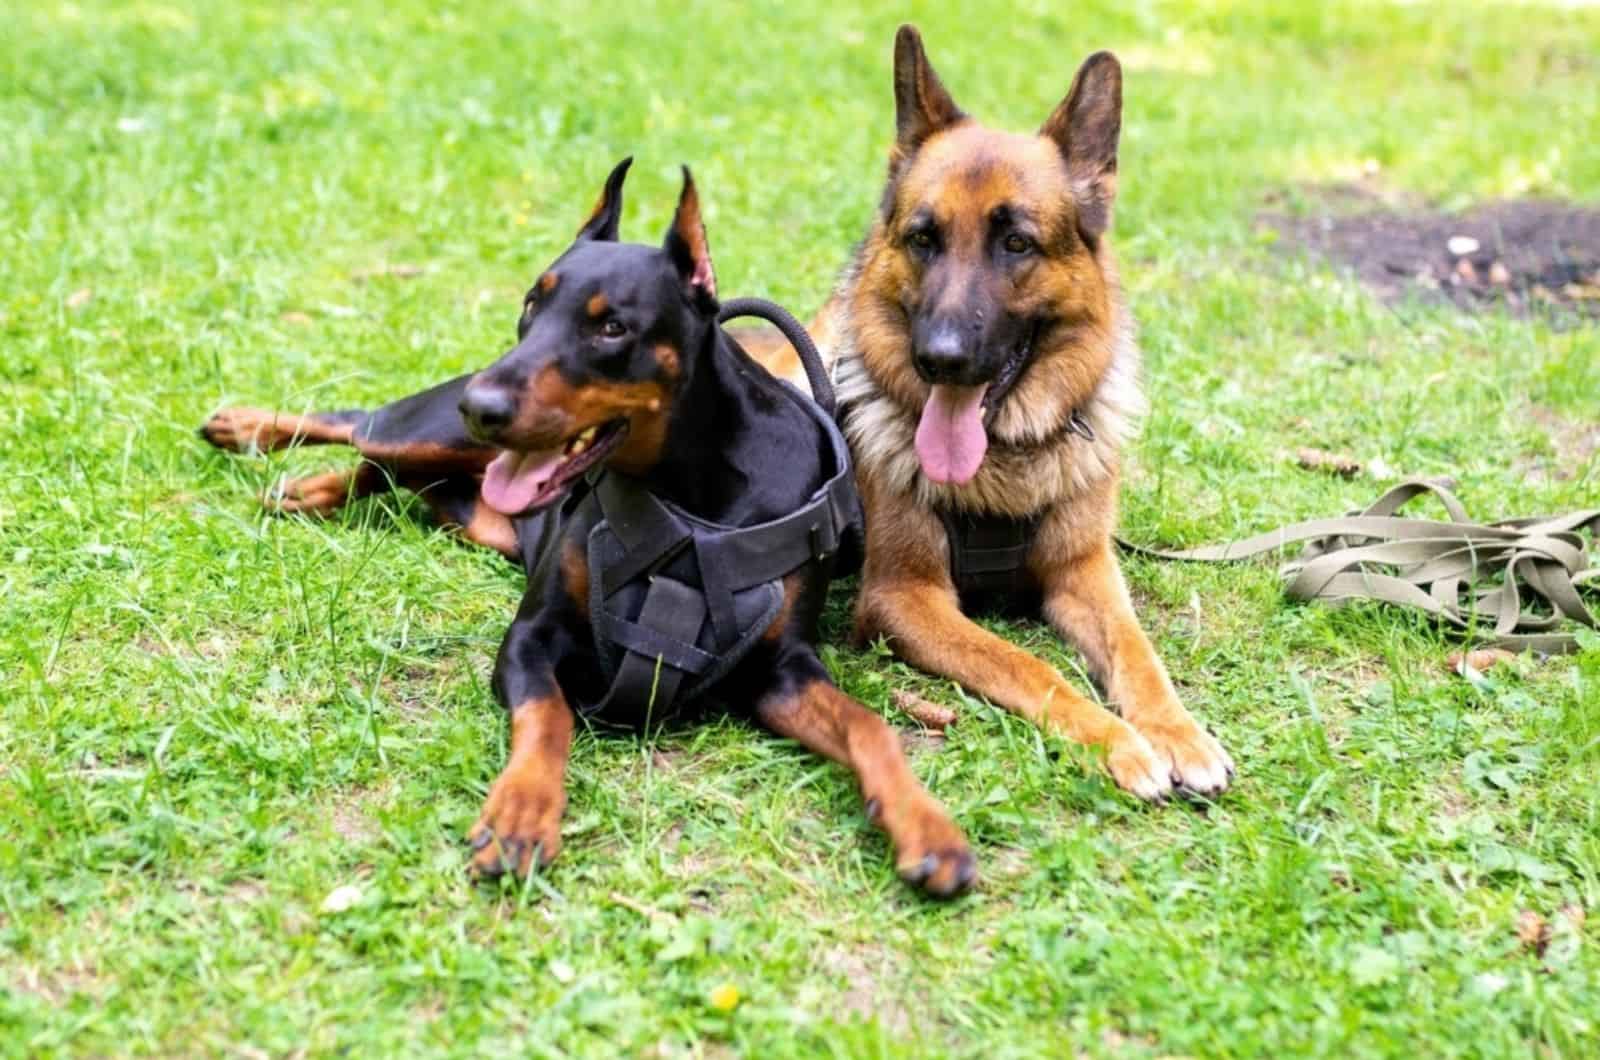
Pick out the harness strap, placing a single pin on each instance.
(646, 527)
(660, 647)
(989, 553)
(795, 332)
(1470, 575)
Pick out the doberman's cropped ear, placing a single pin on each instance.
(922, 107)
(686, 245)
(604, 222)
(1086, 127)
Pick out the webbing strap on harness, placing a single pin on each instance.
(1476, 577)
(662, 655)
(989, 553)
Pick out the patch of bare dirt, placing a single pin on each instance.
(353, 814)
(863, 995)
(1575, 444)
(1523, 256)
(56, 985)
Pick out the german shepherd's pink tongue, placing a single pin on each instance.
(513, 480)
(950, 438)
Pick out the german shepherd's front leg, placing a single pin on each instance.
(805, 705)
(907, 595)
(1087, 601)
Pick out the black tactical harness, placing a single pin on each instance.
(676, 601)
(989, 553)
(989, 556)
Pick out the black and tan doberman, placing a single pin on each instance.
(677, 508)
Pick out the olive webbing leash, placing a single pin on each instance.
(1479, 578)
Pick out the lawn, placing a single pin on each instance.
(214, 721)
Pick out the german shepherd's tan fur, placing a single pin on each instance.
(947, 167)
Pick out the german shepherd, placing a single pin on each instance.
(988, 370)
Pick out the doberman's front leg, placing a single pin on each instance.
(929, 849)
(521, 821)
(520, 826)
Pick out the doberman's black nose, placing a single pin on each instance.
(488, 410)
(940, 354)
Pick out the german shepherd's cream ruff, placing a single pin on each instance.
(980, 315)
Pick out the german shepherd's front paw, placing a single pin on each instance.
(1137, 767)
(1197, 762)
(929, 850)
(520, 826)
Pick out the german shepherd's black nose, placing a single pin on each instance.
(940, 353)
(487, 410)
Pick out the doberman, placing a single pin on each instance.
(636, 460)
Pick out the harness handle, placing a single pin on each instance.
(795, 332)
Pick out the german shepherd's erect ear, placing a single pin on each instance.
(686, 245)
(604, 221)
(922, 106)
(1086, 127)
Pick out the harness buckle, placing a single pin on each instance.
(821, 547)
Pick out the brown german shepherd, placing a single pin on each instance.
(989, 375)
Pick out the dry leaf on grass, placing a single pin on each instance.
(1533, 931)
(397, 270)
(79, 298)
(341, 898)
(930, 714)
(294, 316)
(1334, 463)
(1480, 660)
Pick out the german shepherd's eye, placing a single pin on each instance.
(1016, 243)
(921, 242)
(613, 329)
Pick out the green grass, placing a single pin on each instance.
(211, 719)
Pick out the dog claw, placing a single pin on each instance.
(943, 875)
(481, 840)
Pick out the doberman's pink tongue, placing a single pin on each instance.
(513, 480)
(950, 438)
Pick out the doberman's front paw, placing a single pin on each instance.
(321, 494)
(241, 430)
(1195, 760)
(1137, 767)
(520, 825)
(930, 851)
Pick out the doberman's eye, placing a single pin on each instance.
(1018, 244)
(613, 329)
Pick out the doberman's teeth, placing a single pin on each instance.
(581, 442)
